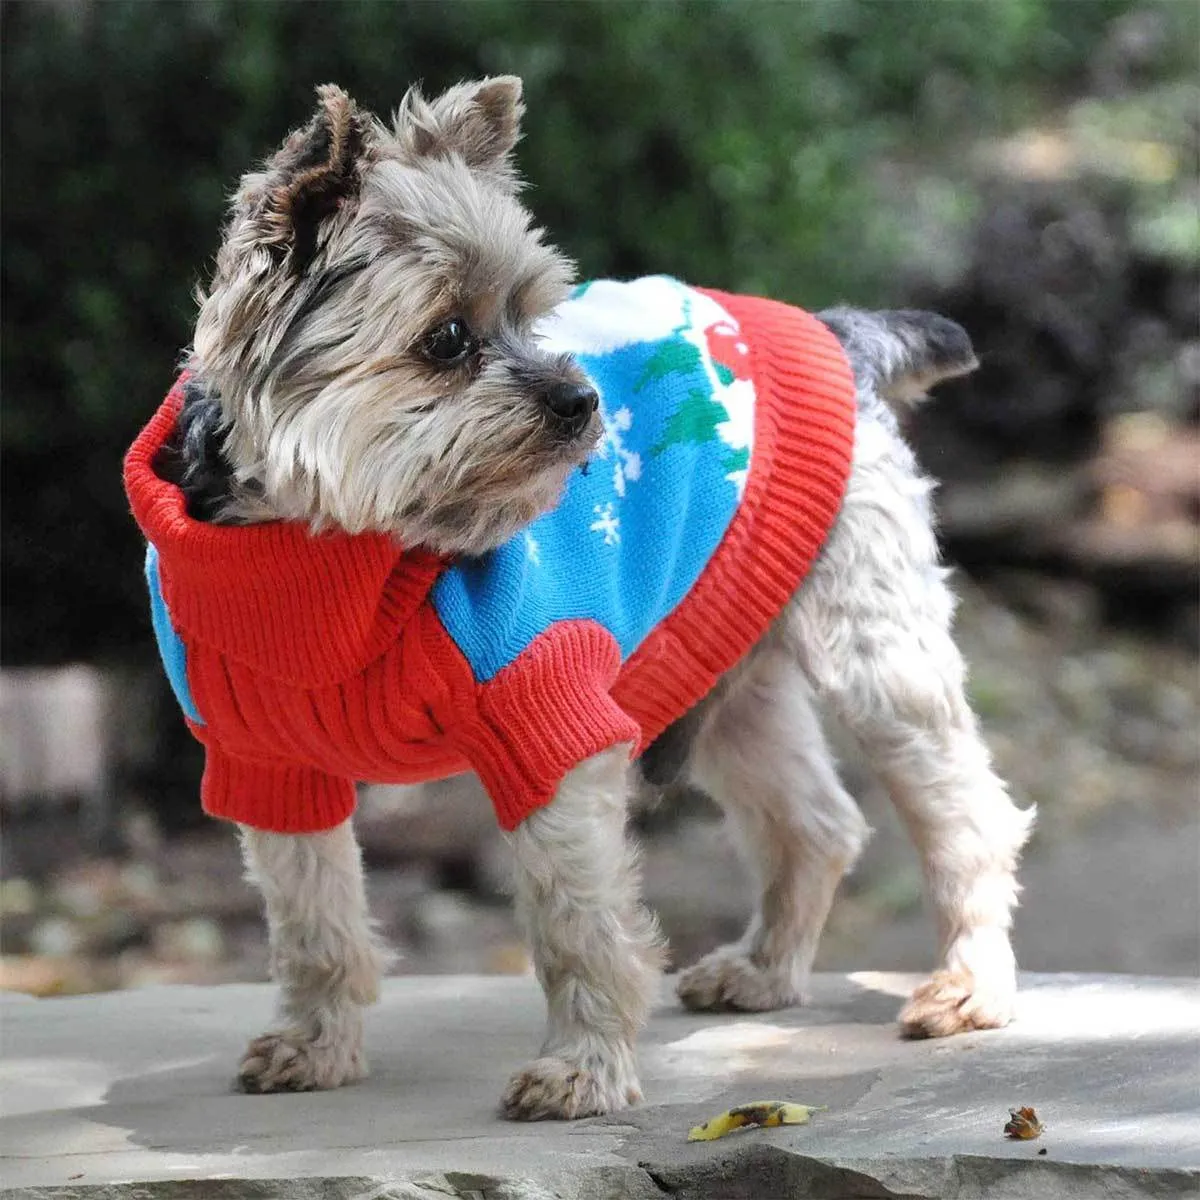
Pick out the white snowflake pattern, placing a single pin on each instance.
(627, 464)
(607, 523)
(533, 552)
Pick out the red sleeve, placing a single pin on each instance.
(544, 714)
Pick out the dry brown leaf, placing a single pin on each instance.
(1023, 1124)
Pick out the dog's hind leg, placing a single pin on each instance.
(763, 757)
(324, 955)
(595, 947)
(872, 625)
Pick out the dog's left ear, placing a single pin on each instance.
(309, 176)
(480, 122)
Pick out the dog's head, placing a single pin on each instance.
(369, 328)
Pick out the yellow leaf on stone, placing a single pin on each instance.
(762, 1113)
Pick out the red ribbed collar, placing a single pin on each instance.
(303, 608)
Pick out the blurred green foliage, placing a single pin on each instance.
(729, 143)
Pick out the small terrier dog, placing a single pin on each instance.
(372, 360)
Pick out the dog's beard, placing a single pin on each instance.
(458, 474)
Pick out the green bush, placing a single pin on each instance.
(729, 143)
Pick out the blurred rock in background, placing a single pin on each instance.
(1075, 448)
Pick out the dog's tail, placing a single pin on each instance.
(901, 353)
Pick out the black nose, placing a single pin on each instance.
(571, 405)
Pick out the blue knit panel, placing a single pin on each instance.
(170, 647)
(631, 535)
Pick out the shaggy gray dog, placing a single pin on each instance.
(357, 266)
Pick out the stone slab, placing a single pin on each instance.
(129, 1094)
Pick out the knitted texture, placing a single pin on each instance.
(306, 662)
(628, 539)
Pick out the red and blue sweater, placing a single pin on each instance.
(306, 662)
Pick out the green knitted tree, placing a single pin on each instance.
(674, 356)
(694, 421)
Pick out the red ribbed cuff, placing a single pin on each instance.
(279, 799)
(543, 715)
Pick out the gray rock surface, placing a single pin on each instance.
(129, 1095)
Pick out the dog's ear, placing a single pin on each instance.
(309, 177)
(480, 122)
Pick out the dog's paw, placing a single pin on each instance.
(290, 1061)
(556, 1089)
(952, 1001)
(728, 979)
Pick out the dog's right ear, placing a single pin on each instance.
(479, 122)
(312, 174)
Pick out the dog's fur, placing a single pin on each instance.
(314, 398)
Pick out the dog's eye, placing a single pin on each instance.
(450, 343)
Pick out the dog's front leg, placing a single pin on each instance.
(595, 948)
(324, 955)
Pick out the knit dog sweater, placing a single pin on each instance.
(305, 662)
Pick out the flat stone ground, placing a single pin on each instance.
(129, 1094)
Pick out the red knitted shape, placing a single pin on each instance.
(318, 660)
